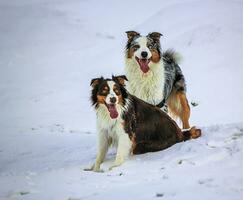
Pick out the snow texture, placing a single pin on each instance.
(49, 52)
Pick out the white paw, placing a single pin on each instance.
(94, 169)
(113, 166)
(89, 168)
(99, 170)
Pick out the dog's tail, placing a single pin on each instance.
(191, 133)
(171, 56)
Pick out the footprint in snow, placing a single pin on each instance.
(237, 136)
(208, 182)
(13, 194)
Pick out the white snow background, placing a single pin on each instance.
(49, 52)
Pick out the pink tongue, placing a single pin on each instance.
(113, 111)
(144, 65)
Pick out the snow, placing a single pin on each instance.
(49, 52)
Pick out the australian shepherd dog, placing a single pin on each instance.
(128, 123)
(156, 77)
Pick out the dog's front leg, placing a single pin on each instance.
(123, 150)
(103, 146)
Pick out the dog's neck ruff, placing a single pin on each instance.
(104, 120)
(146, 86)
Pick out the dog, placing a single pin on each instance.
(156, 77)
(130, 124)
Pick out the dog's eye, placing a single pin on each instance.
(104, 91)
(117, 91)
(150, 46)
(136, 47)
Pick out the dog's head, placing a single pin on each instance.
(143, 49)
(109, 93)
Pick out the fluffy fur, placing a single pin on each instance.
(110, 130)
(138, 128)
(156, 77)
(151, 84)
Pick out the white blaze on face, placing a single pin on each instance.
(112, 106)
(142, 42)
(111, 93)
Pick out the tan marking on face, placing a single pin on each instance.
(120, 99)
(101, 99)
(155, 56)
(130, 52)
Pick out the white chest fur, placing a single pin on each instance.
(111, 132)
(107, 127)
(148, 87)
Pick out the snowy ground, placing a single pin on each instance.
(50, 50)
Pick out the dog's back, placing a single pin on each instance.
(151, 129)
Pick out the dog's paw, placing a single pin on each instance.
(89, 168)
(113, 166)
(94, 170)
(99, 170)
(195, 133)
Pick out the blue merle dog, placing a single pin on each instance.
(156, 77)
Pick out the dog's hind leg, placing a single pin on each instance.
(179, 107)
(191, 133)
(184, 109)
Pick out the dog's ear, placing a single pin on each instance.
(95, 81)
(120, 79)
(155, 36)
(132, 34)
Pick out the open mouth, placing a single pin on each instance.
(112, 110)
(143, 63)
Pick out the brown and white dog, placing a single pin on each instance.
(128, 123)
(156, 77)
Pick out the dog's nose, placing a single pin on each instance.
(113, 99)
(144, 54)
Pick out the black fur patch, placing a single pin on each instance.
(154, 130)
(95, 90)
